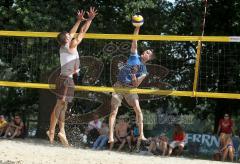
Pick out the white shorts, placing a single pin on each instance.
(118, 97)
(174, 144)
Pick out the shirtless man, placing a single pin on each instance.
(121, 133)
(15, 128)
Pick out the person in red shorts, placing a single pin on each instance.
(178, 140)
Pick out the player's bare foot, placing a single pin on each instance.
(111, 140)
(63, 139)
(50, 136)
(142, 138)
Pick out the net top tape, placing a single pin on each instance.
(128, 36)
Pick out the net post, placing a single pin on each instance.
(196, 72)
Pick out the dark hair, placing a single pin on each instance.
(178, 129)
(61, 37)
(153, 56)
(104, 122)
(16, 114)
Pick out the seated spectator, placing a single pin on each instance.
(178, 140)
(225, 127)
(15, 128)
(95, 124)
(226, 148)
(121, 133)
(163, 142)
(92, 130)
(103, 138)
(159, 145)
(133, 137)
(3, 125)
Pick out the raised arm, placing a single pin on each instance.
(91, 14)
(134, 42)
(80, 18)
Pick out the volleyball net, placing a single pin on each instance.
(192, 66)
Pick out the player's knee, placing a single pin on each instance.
(113, 113)
(135, 105)
(138, 111)
(65, 106)
(61, 102)
(115, 104)
(114, 108)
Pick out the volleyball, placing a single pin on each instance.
(137, 20)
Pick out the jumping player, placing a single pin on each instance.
(130, 75)
(69, 59)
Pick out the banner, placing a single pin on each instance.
(208, 143)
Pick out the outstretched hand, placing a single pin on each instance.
(92, 13)
(80, 15)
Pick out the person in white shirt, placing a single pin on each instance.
(93, 128)
(95, 124)
(102, 139)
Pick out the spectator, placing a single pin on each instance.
(3, 125)
(121, 133)
(133, 137)
(159, 145)
(178, 140)
(15, 128)
(227, 148)
(93, 128)
(103, 138)
(95, 124)
(225, 126)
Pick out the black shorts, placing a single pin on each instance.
(65, 88)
